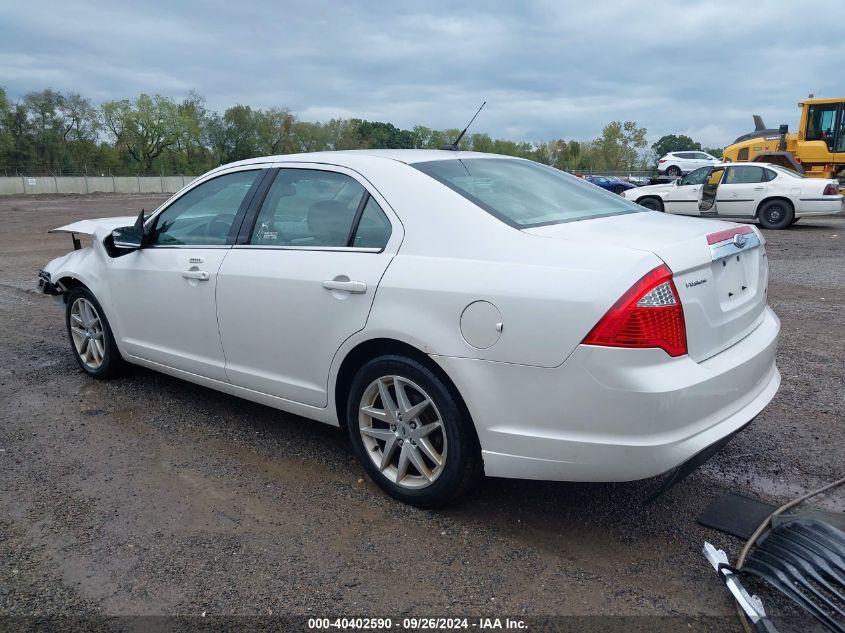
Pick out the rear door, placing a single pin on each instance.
(302, 280)
(741, 191)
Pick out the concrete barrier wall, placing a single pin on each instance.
(11, 185)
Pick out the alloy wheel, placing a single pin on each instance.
(86, 330)
(402, 432)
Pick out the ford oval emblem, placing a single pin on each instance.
(740, 240)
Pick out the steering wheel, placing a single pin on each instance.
(222, 222)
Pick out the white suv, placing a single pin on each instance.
(677, 163)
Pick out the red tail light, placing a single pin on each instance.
(648, 315)
(662, 160)
(830, 190)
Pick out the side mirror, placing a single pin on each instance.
(126, 239)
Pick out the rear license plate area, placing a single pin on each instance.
(731, 276)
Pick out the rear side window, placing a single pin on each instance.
(373, 229)
(523, 193)
(743, 175)
(308, 208)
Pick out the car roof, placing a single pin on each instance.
(343, 157)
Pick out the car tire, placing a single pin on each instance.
(673, 172)
(399, 443)
(776, 214)
(651, 203)
(618, 190)
(90, 335)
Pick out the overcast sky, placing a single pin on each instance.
(548, 69)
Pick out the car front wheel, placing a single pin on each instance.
(411, 433)
(90, 335)
(651, 203)
(776, 214)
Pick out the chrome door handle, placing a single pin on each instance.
(760, 188)
(200, 275)
(355, 287)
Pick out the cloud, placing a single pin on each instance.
(548, 69)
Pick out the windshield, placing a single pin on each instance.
(525, 194)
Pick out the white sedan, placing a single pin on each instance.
(774, 195)
(457, 313)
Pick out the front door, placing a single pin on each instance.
(741, 190)
(164, 294)
(302, 282)
(684, 196)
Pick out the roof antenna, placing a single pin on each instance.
(453, 147)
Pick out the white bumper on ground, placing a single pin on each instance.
(610, 414)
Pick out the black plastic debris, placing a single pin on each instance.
(740, 515)
(805, 561)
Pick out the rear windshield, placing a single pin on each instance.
(525, 194)
(787, 171)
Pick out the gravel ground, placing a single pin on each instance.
(150, 496)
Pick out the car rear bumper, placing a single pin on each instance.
(610, 414)
(820, 207)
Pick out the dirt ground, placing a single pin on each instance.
(148, 495)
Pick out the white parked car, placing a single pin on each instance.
(774, 195)
(675, 164)
(458, 313)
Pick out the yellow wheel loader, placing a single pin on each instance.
(816, 150)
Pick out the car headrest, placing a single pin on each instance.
(329, 222)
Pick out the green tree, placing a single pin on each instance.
(276, 132)
(143, 129)
(714, 151)
(377, 134)
(44, 126)
(189, 154)
(234, 136)
(7, 140)
(619, 145)
(674, 143)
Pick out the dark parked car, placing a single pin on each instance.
(615, 185)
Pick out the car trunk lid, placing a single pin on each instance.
(720, 269)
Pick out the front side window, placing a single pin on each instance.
(523, 193)
(308, 208)
(695, 177)
(204, 215)
(744, 175)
